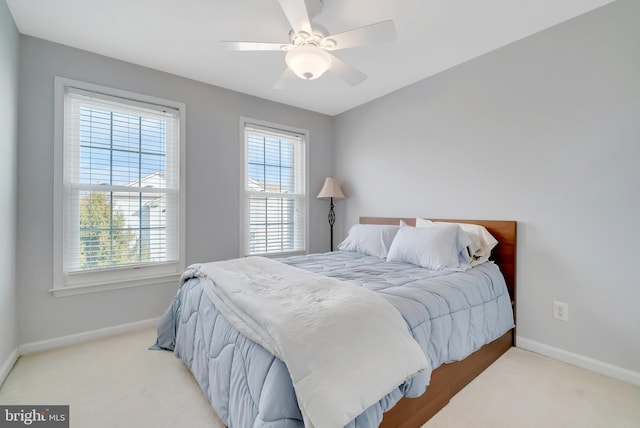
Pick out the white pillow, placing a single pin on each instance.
(436, 248)
(371, 239)
(482, 242)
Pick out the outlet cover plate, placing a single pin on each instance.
(561, 311)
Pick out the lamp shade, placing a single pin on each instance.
(308, 61)
(331, 189)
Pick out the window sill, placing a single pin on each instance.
(74, 290)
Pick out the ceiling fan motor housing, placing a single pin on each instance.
(318, 38)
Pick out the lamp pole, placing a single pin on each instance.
(332, 220)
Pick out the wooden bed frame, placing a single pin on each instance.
(448, 379)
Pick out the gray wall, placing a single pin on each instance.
(8, 180)
(213, 182)
(545, 131)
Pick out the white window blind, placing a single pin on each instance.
(121, 189)
(274, 191)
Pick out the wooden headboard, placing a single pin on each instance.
(504, 254)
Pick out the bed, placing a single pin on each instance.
(249, 387)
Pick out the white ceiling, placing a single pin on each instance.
(182, 37)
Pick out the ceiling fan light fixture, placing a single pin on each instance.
(308, 62)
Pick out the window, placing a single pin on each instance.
(275, 190)
(119, 203)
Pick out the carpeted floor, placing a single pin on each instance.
(117, 382)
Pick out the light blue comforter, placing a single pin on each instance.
(449, 314)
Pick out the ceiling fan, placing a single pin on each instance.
(308, 53)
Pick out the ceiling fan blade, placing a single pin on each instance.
(252, 46)
(285, 79)
(346, 72)
(296, 12)
(380, 32)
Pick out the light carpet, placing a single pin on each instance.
(117, 382)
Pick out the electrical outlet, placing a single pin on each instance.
(561, 311)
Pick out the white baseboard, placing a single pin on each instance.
(596, 366)
(8, 365)
(87, 336)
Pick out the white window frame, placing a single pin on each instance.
(67, 284)
(244, 210)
